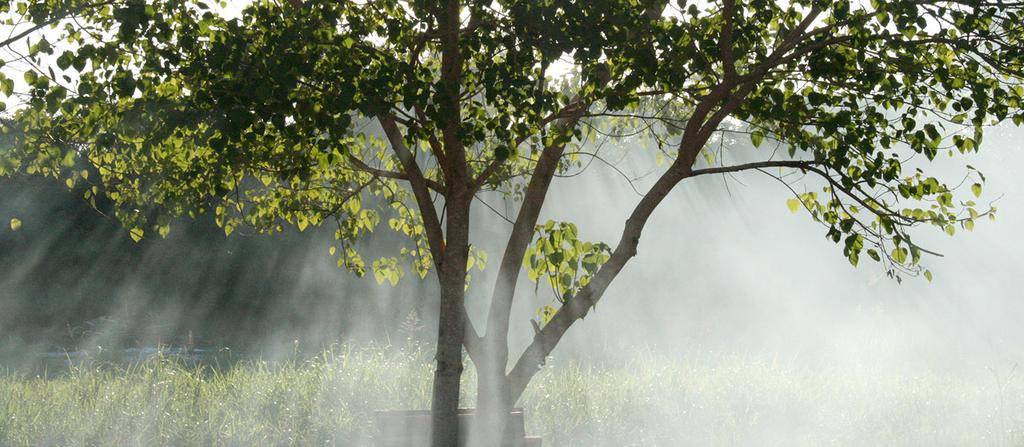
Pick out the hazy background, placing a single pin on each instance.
(720, 269)
(723, 266)
(738, 323)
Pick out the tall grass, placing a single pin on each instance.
(648, 401)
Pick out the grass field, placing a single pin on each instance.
(646, 401)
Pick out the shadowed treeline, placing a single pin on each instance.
(72, 278)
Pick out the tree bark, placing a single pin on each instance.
(578, 306)
(451, 325)
(493, 394)
(493, 405)
(452, 272)
(445, 402)
(496, 395)
(449, 252)
(723, 100)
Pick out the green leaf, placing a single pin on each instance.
(899, 255)
(545, 313)
(793, 205)
(179, 105)
(928, 275)
(64, 61)
(757, 137)
(502, 153)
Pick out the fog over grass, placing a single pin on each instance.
(647, 400)
(737, 324)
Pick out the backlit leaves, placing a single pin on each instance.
(545, 313)
(793, 205)
(268, 120)
(559, 257)
(756, 138)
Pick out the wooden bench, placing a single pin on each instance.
(411, 428)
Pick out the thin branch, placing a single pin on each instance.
(52, 21)
(362, 166)
(799, 164)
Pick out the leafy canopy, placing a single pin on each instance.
(303, 113)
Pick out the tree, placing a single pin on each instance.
(355, 113)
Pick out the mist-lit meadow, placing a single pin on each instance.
(645, 400)
(709, 223)
(753, 334)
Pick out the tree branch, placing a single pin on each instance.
(435, 236)
(52, 21)
(472, 340)
(725, 41)
(572, 111)
(694, 137)
(435, 145)
(798, 164)
(578, 306)
(522, 233)
(362, 166)
(448, 98)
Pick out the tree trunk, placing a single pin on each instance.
(493, 404)
(445, 403)
(451, 326)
